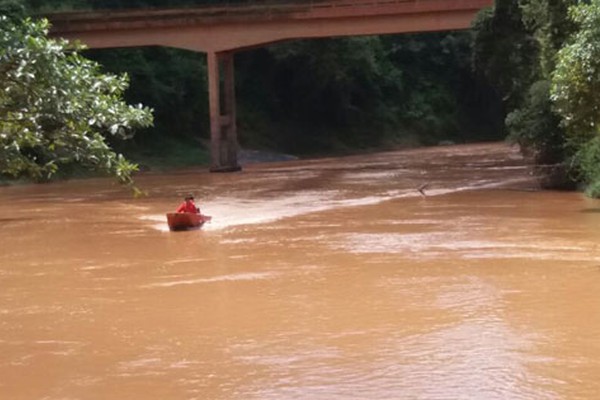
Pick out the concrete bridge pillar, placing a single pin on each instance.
(223, 129)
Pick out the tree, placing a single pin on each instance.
(535, 127)
(550, 24)
(505, 51)
(515, 47)
(56, 107)
(576, 92)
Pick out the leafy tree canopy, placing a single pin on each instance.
(576, 79)
(504, 51)
(515, 47)
(56, 107)
(576, 92)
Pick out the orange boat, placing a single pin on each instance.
(184, 221)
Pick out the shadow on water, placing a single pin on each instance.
(591, 210)
(9, 220)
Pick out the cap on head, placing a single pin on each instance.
(189, 197)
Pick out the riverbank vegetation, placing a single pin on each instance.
(56, 107)
(543, 57)
(527, 71)
(322, 96)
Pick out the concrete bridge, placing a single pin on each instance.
(220, 31)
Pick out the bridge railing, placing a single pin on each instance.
(305, 3)
(238, 6)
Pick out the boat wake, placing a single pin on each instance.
(232, 211)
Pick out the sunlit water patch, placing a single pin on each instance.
(435, 244)
(221, 278)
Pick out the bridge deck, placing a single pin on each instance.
(247, 24)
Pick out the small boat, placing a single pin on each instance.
(185, 221)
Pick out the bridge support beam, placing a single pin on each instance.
(223, 128)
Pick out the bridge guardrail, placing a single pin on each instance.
(233, 7)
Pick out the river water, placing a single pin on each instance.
(321, 279)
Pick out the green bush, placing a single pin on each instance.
(586, 163)
(535, 127)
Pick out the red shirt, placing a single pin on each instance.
(188, 207)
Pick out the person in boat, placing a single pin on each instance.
(188, 206)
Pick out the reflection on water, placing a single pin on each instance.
(320, 279)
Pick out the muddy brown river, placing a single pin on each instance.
(321, 280)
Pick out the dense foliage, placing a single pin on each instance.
(576, 92)
(365, 92)
(56, 107)
(322, 95)
(550, 82)
(514, 47)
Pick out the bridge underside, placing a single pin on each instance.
(221, 31)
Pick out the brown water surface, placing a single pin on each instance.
(324, 279)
